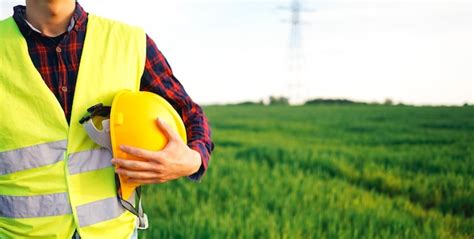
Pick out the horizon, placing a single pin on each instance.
(266, 102)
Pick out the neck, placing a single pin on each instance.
(51, 17)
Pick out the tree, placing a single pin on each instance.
(279, 100)
(388, 101)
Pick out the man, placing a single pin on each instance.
(55, 61)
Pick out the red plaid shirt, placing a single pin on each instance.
(57, 60)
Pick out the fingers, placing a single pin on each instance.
(132, 164)
(146, 181)
(141, 153)
(137, 175)
(167, 130)
(139, 172)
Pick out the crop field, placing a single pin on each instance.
(361, 171)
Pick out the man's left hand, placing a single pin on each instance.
(175, 160)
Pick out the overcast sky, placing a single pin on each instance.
(411, 51)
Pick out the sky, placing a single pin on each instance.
(227, 51)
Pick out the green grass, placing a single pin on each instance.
(326, 172)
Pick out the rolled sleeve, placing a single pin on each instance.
(158, 78)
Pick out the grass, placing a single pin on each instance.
(326, 172)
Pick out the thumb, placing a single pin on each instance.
(166, 129)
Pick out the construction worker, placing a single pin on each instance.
(55, 61)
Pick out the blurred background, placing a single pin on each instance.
(331, 119)
(228, 51)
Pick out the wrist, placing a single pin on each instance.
(195, 162)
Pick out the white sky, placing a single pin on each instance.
(413, 51)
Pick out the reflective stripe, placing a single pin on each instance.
(90, 160)
(32, 157)
(34, 206)
(99, 211)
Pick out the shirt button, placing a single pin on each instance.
(64, 89)
(58, 49)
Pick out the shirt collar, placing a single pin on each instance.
(78, 20)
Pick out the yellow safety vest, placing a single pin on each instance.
(53, 178)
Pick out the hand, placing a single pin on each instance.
(175, 160)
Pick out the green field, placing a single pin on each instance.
(362, 171)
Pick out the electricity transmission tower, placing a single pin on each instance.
(296, 86)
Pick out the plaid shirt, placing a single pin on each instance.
(57, 60)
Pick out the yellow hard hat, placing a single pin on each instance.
(132, 122)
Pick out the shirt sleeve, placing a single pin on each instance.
(158, 78)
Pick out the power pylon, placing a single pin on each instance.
(296, 84)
